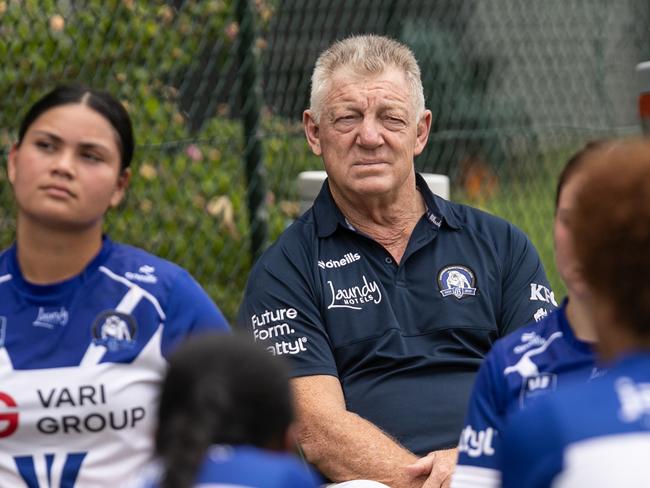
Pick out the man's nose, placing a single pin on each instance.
(370, 134)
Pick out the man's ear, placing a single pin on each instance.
(422, 131)
(312, 132)
(120, 188)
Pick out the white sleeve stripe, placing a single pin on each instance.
(93, 355)
(130, 300)
(475, 477)
(4, 278)
(132, 285)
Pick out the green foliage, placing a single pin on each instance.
(187, 200)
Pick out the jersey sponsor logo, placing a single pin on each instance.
(115, 330)
(8, 415)
(70, 470)
(634, 399)
(273, 324)
(529, 339)
(456, 280)
(348, 258)
(144, 274)
(273, 316)
(535, 386)
(597, 372)
(288, 347)
(476, 443)
(58, 402)
(540, 314)
(533, 345)
(541, 293)
(50, 319)
(354, 296)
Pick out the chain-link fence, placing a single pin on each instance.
(216, 90)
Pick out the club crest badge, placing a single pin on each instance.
(115, 330)
(457, 280)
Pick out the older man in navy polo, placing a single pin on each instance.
(383, 296)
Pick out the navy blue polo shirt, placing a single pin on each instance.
(404, 340)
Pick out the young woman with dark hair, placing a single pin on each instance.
(225, 418)
(86, 323)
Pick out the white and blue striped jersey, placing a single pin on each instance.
(519, 369)
(244, 467)
(592, 435)
(81, 362)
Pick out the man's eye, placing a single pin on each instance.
(395, 121)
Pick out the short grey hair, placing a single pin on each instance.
(369, 54)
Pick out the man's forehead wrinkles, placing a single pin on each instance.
(365, 97)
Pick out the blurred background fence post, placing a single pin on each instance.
(251, 104)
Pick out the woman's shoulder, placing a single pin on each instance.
(139, 265)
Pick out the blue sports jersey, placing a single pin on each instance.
(405, 340)
(81, 362)
(594, 435)
(520, 368)
(246, 467)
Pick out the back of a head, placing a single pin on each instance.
(220, 389)
(611, 228)
(365, 54)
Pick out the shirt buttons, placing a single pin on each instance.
(389, 260)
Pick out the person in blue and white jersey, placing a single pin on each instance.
(226, 420)
(86, 323)
(597, 434)
(534, 360)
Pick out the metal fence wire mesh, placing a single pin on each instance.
(216, 90)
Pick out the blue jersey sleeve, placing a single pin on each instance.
(478, 447)
(531, 449)
(189, 311)
(527, 295)
(281, 309)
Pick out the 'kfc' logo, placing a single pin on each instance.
(8, 416)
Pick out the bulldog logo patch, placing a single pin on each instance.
(457, 280)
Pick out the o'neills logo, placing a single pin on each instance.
(355, 295)
(339, 263)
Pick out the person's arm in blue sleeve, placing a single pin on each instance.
(526, 294)
(478, 447)
(189, 310)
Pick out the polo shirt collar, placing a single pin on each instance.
(328, 216)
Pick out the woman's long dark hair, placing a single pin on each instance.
(219, 389)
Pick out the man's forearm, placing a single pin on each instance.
(347, 447)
